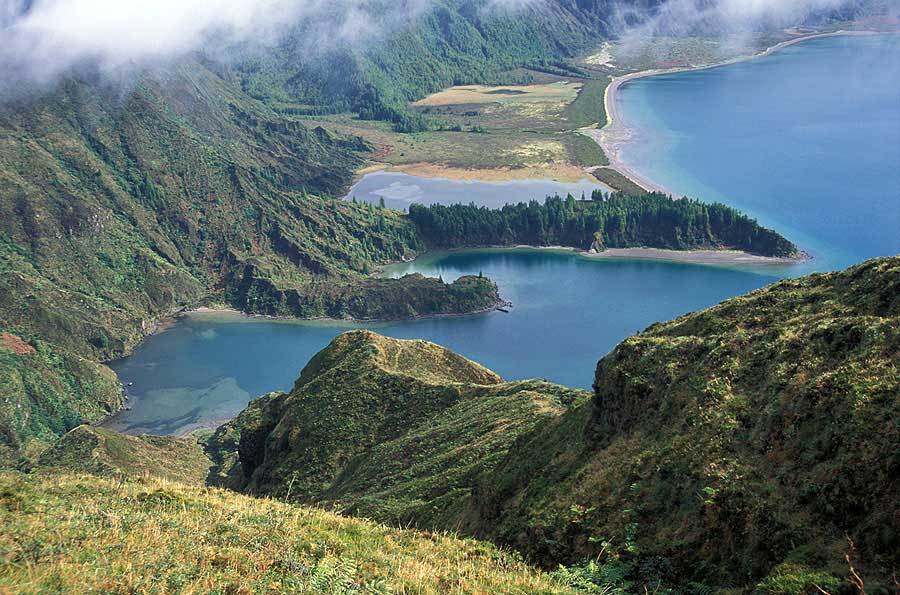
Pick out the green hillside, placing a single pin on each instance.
(399, 431)
(106, 453)
(751, 445)
(44, 392)
(451, 42)
(748, 444)
(118, 210)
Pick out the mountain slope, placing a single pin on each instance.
(395, 430)
(44, 392)
(103, 452)
(119, 209)
(753, 445)
(745, 443)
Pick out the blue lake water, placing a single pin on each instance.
(568, 312)
(807, 140)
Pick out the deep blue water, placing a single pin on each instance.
(808, 140)
(568, 312)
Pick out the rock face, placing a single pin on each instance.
(397, 430)
(748, 444)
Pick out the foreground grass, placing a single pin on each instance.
(78, 533)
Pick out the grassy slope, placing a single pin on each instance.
(739, 445)
(103, 452)
(44, 391)
(744, 446)
(117, 211)
(395, 430)
(63, 532)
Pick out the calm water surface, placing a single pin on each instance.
(568, 312)
(807, 140)
(399, 190)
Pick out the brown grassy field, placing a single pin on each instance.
(561, 92)
(493, 133)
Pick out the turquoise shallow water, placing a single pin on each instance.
(816, 164)
(807, 140)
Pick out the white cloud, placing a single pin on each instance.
(50, 37)
(42, 40)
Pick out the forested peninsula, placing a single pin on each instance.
(617, 220)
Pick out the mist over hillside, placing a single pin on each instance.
(47, 40)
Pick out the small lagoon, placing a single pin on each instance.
(399, 190)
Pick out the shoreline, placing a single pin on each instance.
(616, 133)
(714, 257)
(549, 172)
(699, 257)
(207, 310)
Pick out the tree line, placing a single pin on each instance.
(617, 220)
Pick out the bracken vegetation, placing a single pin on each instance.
(395, 430)
(44, 392)
(748, 448)
(68, 533)
(745, 446)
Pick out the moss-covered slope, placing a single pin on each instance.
(103, 452)
(395, 430)
(118, 209)
(73, 533)
(44, 392)
(746, 444)
(753, 445)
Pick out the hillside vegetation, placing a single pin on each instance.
(749, 446)
(394, 430)
(69, 533)
(44, 392)
(752, 444)
(118, 210)
(107, 453)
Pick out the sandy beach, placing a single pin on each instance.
(616, 132)
(721, 257)
(558, 172)
(715, 257)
